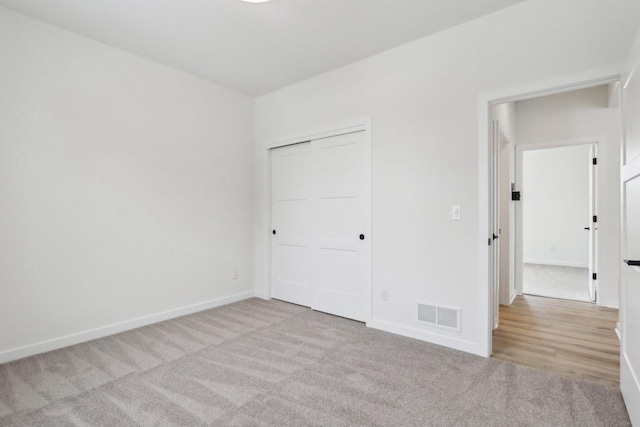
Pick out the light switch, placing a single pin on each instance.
(455, 213)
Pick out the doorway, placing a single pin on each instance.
(550, 313)
(559, 222)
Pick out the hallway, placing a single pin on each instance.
(571, 283)
(574, 339)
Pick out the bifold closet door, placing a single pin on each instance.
(321, 249)
(340, 240)
(290, 219)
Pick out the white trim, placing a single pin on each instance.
(92, 334)
(556, 263)
(485, 101)
(512, 296)
(544, 145)
(567, 83)
(430, 337)
(618, 331)
(261, 295)
(363, 124)
(357, 125)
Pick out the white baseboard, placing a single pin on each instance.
(608, 303)
(557, 263)
(261, 295)
(630, 387)
(405, 331)
(92, 334)
(512, 297)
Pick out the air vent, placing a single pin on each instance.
(442, 317)
(427, 313)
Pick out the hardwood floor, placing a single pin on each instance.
(574, 339)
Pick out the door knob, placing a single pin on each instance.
(587, 228)
(362, 237)
(274, 231)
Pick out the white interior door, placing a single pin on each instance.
(494, 241)
(321, 242)
(593, 227)
(630, 274)
(341, 244)
(290, 219)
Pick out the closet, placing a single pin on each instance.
(320, 217)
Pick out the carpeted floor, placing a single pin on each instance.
(268, 363)
(556, 282)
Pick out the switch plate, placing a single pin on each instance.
(456, 213)
(384, 294)
(235, 274)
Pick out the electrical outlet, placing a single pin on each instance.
(384, 295)
(235, 274)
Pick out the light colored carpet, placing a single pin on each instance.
(556, 282)
(268, 363)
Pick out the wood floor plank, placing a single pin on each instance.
(561, 336)
(602, 359)
(499, 342)
(574, 339)
(572, 331)
(524, 315)
(585, 349)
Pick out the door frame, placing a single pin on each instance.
(519, 247)
(558, 85)
(358, 125)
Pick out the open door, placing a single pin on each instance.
(593, 227)
(494, 225)
(630, 273)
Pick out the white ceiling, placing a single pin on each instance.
(255, 48)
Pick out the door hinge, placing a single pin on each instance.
(595, 276)
(595, 161)
(595, 218)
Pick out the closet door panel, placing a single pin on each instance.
(290, 219)
(338, 221)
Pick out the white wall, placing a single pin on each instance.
(555, 203)
(423, 99)
(126, 188)
(584, 115)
